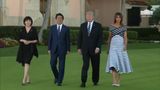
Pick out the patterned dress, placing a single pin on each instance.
(118, 58)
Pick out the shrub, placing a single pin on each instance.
(2, 43)
(105, 36)
(132, 35)
(45, 36)
(11, 31)
(156, 16)
(74, 36)
(8, 42)
(146, 33)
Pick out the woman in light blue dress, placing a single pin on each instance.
(118, 61)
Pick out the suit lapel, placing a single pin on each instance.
(62, 30)
(56, 31)
(86, 30)
(92, 28)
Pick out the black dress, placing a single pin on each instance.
(26, 52)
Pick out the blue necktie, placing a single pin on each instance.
(58, 29)
(88, 28)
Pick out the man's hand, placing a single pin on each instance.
(68, 52)
(108, 51)
(97, 50)
(49, 52)
(23, 40)
(79, 51)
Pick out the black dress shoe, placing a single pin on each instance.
(95, 84)
(55, 81)
(59, 84)
(83, 85)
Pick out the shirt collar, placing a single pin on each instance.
(91, 22)
(59, 25)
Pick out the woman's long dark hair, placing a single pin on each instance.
(120, 15)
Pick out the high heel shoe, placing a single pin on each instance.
(116, 85)
(28, 82)
(23, 84)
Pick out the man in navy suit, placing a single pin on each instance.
(89, 45)
(58, 47)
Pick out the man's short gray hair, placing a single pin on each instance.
(90, 13)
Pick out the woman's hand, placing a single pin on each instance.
(125, 48)
(26, 42)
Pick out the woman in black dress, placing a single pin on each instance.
(28, 39)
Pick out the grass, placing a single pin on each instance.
(145, 59)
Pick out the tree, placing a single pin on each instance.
(154, 2)
(46, 15)
(156, 16)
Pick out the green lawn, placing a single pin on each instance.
(145, 59)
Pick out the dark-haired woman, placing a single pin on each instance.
(28, 39)
(118, 61)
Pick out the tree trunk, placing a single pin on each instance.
(45, 20)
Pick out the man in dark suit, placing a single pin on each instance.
(89, 45)
(58, 47)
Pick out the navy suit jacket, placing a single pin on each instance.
(59, 43)
(90, 43)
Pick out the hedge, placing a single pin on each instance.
(7, 42)
(133, 33)
(74, 36)
(146, 33)
(11, 31)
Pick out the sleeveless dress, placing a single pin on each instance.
(118, 58)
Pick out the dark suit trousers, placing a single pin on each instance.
(95, 62)
(58, 73)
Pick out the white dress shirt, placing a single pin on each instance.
(91, 24)
(60, 26)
